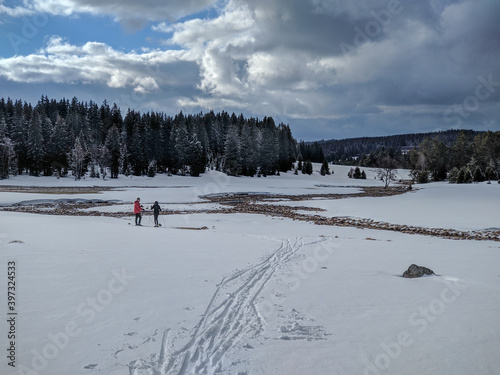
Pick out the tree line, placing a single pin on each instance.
(55, 137)
(349, 151)
(468, 159)
(460, 157)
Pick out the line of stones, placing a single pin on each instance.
(244, 203)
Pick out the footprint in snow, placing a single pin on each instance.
(90, 367)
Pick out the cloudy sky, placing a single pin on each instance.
(329, 68)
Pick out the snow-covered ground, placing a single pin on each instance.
(251, 294)
(436, 205)
(178, 189)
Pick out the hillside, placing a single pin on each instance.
(347, 148)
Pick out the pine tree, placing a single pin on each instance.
(460, 151)
(491, 172)
(35, 152)
(124, 156)
(3, 126)
(350, 174)
(76, 159)
(19, 138)
(180, 143)
(464, 176)
(357, 173)
(232, 159)
(47, 128)
(325, 170)
(308, 167)
(59, 146)
(269, 150)
(453, 175)
(478, 175)
(152, 168)
(286, 148)
(7, 153)
(7, 158)
(250, 149)
(196, 158)
(113, 148)
(137, 159)
(435, 153)
(300, 159)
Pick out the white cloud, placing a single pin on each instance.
(17, 11)
(61, 62)
(220, 46)
(124, 10)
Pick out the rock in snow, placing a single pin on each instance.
(417, 271)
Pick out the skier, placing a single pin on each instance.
(156, 211)
(137, 211)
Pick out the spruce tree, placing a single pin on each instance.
(464, 176)
(180, 145)
(453, 175)
(196, 157)
(113, 148)
(325, 170)
(308, 167)
(7, 158)
(357, 173)
(124, 155)
(300, 159)
(232, 153)
(152, 168)
(269, 150)
(137, 152)
(19, 138)
(250, 149)
(47, 128)
(35, 146)
(491, 172)
(77, 159)
(3, 126)
(478, 175)
(59, 145)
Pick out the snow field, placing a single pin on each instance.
(254, 294)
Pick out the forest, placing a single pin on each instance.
(56, 137)
(344, 151)
(461, 156)
(468, 159)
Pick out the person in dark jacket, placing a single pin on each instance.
(156, 211)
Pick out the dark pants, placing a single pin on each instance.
(156, 219)
(138, 218)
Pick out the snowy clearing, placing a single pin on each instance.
(252, 294)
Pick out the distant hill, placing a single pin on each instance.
(352, 147)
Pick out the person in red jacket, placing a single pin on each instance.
(137, 211)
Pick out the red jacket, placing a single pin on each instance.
(137, 207)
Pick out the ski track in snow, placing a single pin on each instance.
(230, 316)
